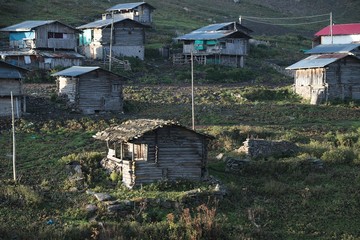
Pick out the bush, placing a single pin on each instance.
(339, 155)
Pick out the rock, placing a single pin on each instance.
(219, 156)
(89, 192)
(102, 197)
(115, 208)
(90, 208)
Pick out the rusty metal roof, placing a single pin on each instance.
(128, 6)
(216, 31)
(133, 129)
(317, 61)
(333, 48)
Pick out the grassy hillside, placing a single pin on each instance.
(171, 15)
(269, 198)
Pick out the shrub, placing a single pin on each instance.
(339, 155)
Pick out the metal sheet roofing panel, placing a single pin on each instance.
(75, 71)
(340, 29)
(100, 23)
(316, 61)
(214, 27)
(26, 26)
(6, 73)
(333, 48)
(125, 6)
(205, 35)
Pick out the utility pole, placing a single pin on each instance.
(13, 134)
(111, 39)
(331, 28)
(192, 92)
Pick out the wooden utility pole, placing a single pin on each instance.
(192, 92)
(331, 28)
(13, 135)
(111, 39)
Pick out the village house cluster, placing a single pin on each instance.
(147, 150)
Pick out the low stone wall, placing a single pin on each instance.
(261, 148)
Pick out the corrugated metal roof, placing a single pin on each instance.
(26, 26)
(101, 23)
(213, 31)
(8, 70)
(333, 48)
(125, 6)
(60, 54)
(75, 71)
(316, 61)
(340, 29)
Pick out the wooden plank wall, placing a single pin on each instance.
(95, 91)
(181, 154)
(42, 40)
(10, 85)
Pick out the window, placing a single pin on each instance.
(140, 151)
(57, 35)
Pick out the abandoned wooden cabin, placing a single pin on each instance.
(128, 39)
(90, 89)
(148, 150)
(42, 44)
(138, 11)
(221, 43)
(324, 77)
(11, 83)
(338, 34)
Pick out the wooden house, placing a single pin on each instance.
(42, 45)
(138, 11)
(338, 34)
(128, 38)
(148, 150)
(90, 89)
(221, 43)
(326, 77)
(49, 34)
(11, 82)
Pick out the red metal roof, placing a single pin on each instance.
(340, 29)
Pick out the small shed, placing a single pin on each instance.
(91, 89)
(137, 11)
(150, 150)
(323, 77)
(42, 34)
(338, 34)
(11, 82)
(220, 43)
(128, 39)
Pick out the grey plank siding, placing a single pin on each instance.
(42, 40)
(10, 85)
(95, 92)
(124, 36)
(180, 156)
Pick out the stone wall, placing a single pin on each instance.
(261, 148)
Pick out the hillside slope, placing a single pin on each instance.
(175, 15)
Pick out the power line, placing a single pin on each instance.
(312, 16)
(287, 24)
